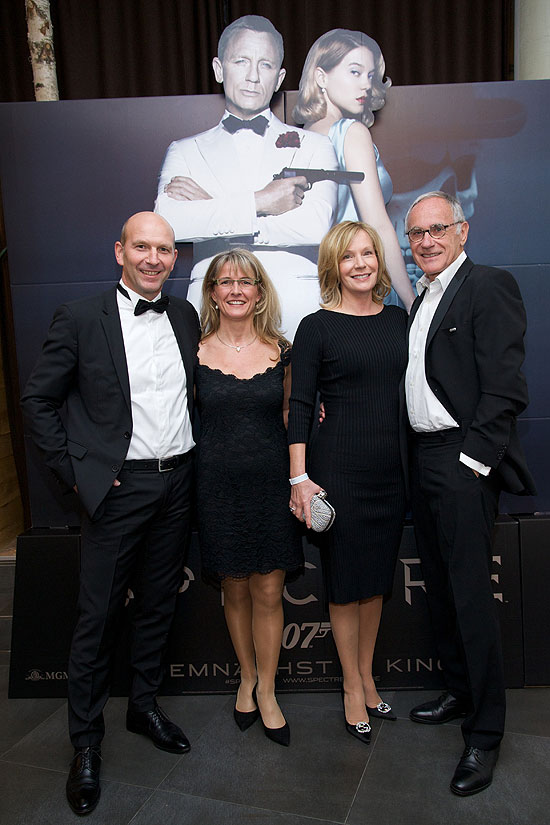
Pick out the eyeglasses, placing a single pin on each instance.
(227, 283)
(435, 231)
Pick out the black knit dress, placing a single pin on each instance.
(356, 363)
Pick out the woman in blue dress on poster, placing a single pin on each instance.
(341, 87)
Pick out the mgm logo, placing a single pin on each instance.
(36, 675)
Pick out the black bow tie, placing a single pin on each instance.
(258, 124)
(157, 306)
(142, 306)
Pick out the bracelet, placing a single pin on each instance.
(298, 479)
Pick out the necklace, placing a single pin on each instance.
(240, 347)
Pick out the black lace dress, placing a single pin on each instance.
(245, 525)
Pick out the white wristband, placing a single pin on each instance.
(298, 479)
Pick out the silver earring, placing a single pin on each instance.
(323, 90)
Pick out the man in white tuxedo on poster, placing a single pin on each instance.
(217, 188)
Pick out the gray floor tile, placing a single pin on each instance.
(181, 809)
(247, 768)
(37, 797)
(141, 762)
(528, 711)
(127, 757)
(407, 781)
(21, 716)
(47, 744)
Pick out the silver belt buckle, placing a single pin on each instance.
(166, 469)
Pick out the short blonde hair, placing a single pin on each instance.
(267, 315)
(331, 251)
(327, 52)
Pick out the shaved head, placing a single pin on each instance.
(143, 216)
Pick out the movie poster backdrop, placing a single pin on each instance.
(73, 171)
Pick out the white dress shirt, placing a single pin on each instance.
(158, 387)
(249, 148)
(426, 412)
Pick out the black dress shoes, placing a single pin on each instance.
(443, 709)
(83, 781)
(474, 772)
(163, 733)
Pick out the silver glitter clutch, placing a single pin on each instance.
(322, 512)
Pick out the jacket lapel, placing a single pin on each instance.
(414, 309)
(274, 155)
(185, 347)
(216, 149)
(447, 299)
(110, 320)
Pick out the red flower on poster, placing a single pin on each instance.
(288, 140)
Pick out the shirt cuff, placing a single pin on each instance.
(475, 465)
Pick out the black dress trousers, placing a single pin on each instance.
(454, 513)
(139, 534)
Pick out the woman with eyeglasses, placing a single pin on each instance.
(248, 538)
(341, 87)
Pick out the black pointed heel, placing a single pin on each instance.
(361, 731)
(245, 719)
(279, 735)
(382, 711)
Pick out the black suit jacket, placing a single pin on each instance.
(77, 399)
(474, 354)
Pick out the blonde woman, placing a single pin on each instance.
(353, 352)
(341, 87)
(248, 537)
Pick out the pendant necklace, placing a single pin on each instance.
(240, 347)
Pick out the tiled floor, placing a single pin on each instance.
(231, 778)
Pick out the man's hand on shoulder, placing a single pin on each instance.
(185, 189)
(280, 196)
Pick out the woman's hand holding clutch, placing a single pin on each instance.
(300, 499)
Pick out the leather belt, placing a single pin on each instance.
(157, 465)
(452, 434)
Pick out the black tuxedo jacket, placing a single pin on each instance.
(77, 399)
(474, 354)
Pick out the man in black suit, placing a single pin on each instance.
(109, 404)
(464, 389)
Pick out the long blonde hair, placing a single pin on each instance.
(327, 52)
(267, 314)
(331, 251)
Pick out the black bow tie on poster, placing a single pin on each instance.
(142, 306)
(258, 124)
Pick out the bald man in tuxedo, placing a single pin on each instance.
(109, 404)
